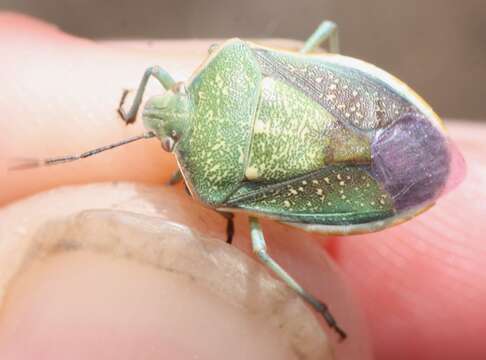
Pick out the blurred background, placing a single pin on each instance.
(438, 47)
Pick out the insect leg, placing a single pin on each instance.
(327, 30)
(175, 178)
(260, 249)
(230, 226)
(161, 75)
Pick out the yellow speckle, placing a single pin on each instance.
(301, 188)
(341, 183)
(217, 146)
(339, 176)
(326, 179)
(319, 191)
(293, 191)
(241, 159)
(315, 182)
(382, 202)
(304, 182)
(268, 84)
(251, 173)
(343, 197)
(215, 168)
(259, 127)
(287, 203)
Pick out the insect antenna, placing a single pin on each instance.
(29, 163)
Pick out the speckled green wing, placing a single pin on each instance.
(355, 98)
(334, 195)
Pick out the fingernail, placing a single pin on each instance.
(115, 284)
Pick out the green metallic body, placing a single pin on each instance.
(258, 144)
(326, 143)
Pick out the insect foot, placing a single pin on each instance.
(324, 311)
(124, 116)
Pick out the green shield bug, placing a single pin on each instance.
(323, 142)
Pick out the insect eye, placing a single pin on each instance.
(168, 143)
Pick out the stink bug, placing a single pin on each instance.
(323, 142)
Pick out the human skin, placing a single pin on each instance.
(420, 285)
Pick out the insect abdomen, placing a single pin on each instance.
(411, 159)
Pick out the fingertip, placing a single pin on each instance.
(64, 102)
